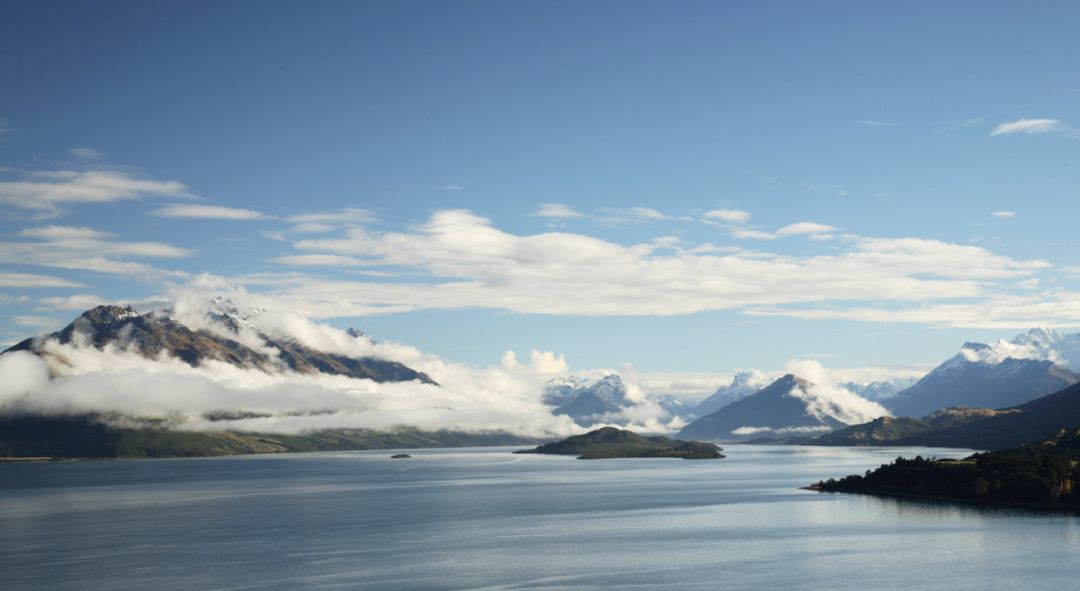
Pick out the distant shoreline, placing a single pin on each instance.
(894, 494)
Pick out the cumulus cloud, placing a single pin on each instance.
(1029, 126)
(209, 212)
(44, 192)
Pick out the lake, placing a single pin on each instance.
(482, 518)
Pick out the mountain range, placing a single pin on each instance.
(1026, 379)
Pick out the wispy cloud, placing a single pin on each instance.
(750, 234)
(32, 280)
(82, 248)
(460, 260)
(451, 187)
(87, 153)
(875, 123)
(801, 228)
(1003, 214)
(557, 211)
(209, 212)
(1030, 127)
(965, 124)
(45, 192)
(731, 216)
(630, 215)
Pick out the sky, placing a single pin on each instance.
(688, 188)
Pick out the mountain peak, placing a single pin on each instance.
(107, 314)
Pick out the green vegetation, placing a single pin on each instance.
(1042, 475)
(98, 436)
(610, 442)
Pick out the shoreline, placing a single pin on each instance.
(1043, 508)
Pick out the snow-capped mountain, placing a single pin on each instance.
(1007, 373)
(742, 385)
(1046, 343)
(588, 404)
(153, 334)
(879, 390)
(789, 407)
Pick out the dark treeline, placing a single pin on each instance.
(1041, 474)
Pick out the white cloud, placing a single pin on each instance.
(459, 260)
(209, 212)
(636, 215)
(875, 123)
(826, 398)
(31, 280)
(800, 228)
(748, 234)
(1028, 126)
(557, 211)
(451, 188)
(319, 260)
(733, 216)
(44, 192)
(1060, 309)
(77, 302)
(348, 215)
(70, 247)
(1003, 214)
(34, 321)
(63, 233)
(504, 396)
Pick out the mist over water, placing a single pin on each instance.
(487, 519)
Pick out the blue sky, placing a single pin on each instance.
(884, 181)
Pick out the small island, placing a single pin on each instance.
(1040, 475)
(609, 442)
(400, 457)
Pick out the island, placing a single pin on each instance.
(400, 457)
(1039, 475)
(609, 442)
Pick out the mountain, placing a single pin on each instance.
(1049, 344)
(153, 334)
(609, 442)
(742, 385)
(787, 407)
(973, 427)
(587, 405)
(889, 430)
(979, 376)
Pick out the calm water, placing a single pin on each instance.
(486, 519)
